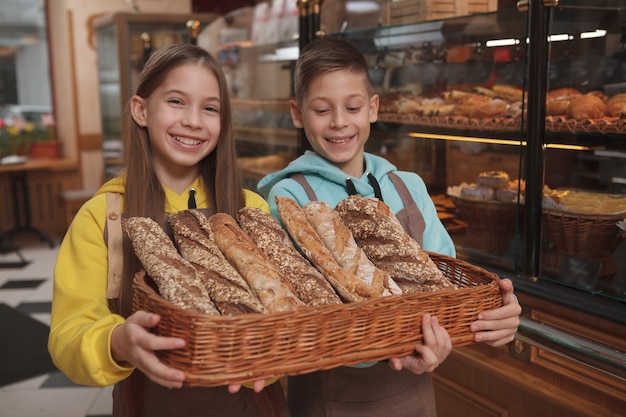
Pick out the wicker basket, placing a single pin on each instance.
(588, 236)
(224, 350)
(490, 224)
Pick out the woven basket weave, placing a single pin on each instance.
(224, 350)
(490, 224)
(589, 236)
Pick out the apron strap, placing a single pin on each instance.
(115, 255)
(300, 179)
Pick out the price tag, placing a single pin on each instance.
(579, 272)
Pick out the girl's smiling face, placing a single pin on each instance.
(336, 114)
(183, 120)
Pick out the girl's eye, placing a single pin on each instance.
(175, 101)
(212, 109)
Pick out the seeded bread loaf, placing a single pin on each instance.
(381, 236)
(267, 233)
(226, 287)
(175, 277)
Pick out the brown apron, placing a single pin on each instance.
(376, 391)
(138, 396)
(154, 400)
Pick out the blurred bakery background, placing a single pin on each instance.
(529, 97)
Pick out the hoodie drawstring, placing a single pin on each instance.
(373, 182)
(191, 203)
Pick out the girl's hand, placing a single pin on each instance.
(131, 342)
(436, 348)
(498, 327)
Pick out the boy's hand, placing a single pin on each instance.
(436, 348)
(498, 327)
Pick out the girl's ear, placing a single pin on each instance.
(138, 110)
(296, 114)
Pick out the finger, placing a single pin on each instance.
(395, 364)
(144, 319)
(234, 388)
(427, 329)
(259, 385)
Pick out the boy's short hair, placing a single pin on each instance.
(325, 55)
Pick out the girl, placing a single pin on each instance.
(180, 154)
(335, 106)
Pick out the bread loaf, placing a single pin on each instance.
(381, 236)
(616, 105)
(267, 233)
(175, 277)
(228, 290)
(339, 241)
(586, 107)
(347, 285)
(263, 276)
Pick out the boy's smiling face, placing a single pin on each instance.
(336, 114)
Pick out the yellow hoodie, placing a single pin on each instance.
(81, 322)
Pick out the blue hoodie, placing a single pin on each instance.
(329, 184)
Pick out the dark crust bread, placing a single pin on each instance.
(226, 287)
(381, 236)
(175, 277)
(267, 233)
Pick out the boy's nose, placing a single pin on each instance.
(338, 120)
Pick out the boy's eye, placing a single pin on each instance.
(354, 109)
(321, 111)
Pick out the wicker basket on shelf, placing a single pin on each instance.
(490, 224)
(587, 236)
(223, 350)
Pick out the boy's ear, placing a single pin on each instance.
(138, 110)
(374, 101)
(296, 114)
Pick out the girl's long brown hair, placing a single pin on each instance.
(143, 195)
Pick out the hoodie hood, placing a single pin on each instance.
(114, 185)
(314, 165)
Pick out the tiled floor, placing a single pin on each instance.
(29, 289)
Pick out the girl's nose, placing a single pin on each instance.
(192, 119)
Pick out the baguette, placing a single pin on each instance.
(383, 239)
(267, 233)
(338, 239)
(226, 287)
(175, 277)
(263, 276)
(348, 286)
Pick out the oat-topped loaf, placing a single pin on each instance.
(383, 239)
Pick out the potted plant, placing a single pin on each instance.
(42, 141)
(12, 141)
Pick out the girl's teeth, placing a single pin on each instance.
(187, 141)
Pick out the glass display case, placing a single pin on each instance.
(523, 109)
(124, 41)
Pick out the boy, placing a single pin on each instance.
(335, 106)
